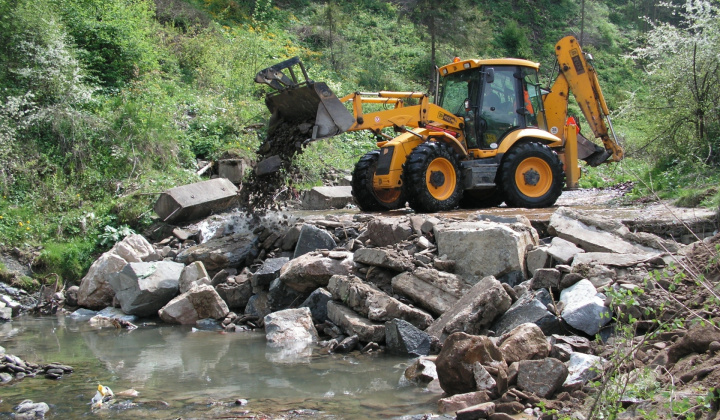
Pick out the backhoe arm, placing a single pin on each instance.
(578, 76)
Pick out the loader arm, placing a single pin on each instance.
(578, 76)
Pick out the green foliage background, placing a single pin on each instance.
(105, 102)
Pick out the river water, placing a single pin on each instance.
(181, 371)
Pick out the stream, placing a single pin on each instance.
(191, 372)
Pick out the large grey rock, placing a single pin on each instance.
(200, 302)
(236, 294)
(354, 324)
(546, 278)
(373, 303)
(581, 369)
(95, 292)
(422, 371)
(280, 296)
(601, 234)
(484, 249)
(310, 271)
(228, 251)
(5, 312)
(386, 231)
(401, 337)
(258, 305)
(583, 309)
(312, 239)
(541, 377)
(143, 288)
(290, 326)
(457, 360)
(268, 271)
(192, 274)
(536, 259)
(475, 311)
(268, 166)
(325, 198)
(71, 296)
(27, 410)
(317, 303)
(433, 290)
(563, 251)
(383, 257)
(195, 201)
(530, 307)
(524, 342)
(459, 401)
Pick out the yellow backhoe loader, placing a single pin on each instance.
(493, 135)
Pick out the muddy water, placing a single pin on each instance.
(200, 373)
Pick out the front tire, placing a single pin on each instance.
(366, 196)
(532, 176)
(432, 178)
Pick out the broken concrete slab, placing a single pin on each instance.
(433, 290)
(325, 198)
(485, 248)
(195, 201)
(233, 169)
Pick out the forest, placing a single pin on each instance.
(105, 103)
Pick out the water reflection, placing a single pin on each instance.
(192, 370)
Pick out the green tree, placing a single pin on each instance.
(682, 78)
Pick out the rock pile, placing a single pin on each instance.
(508, 314)
(13, 368)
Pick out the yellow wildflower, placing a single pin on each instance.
(20, 223)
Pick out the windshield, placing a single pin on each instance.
(456, 88)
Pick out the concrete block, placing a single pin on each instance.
(195, 201)
(323, 198)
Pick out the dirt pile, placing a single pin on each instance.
(275, 174)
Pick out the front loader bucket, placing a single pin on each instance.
(295, 103)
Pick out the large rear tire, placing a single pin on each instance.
(367, 197)
(531, 176)
(432, 178)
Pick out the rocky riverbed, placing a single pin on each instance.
(504, 318)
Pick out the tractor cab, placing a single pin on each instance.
(493, 97)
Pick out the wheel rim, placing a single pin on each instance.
(388, 196)
(533, 177)
(440, 179)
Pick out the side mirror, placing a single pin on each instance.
(490, 75)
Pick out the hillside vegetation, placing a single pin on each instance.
(105, 103)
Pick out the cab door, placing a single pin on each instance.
(499, 104)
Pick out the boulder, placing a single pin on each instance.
(95, 292)
(233, 169)
(227, 251)
(325, 198)
(473, 312)
(383, 257)
(405, 339)
(546, 278)
(195, 201)
(268, 271)
(524, 342)
(433, 290)
(541, 377)
(236, 294)
(28, 409)
(310, 271)
(581, 369)
(280, 296)
(143, 288)
(422, 371)
(312, 239)
(479, 411)
(317, 303)
(354, 324)
(258, 306)
(600, 234)
(530, 307)
(290, 326)
(386, 231)
(536, 259)
(71, 296)
(459, 354)
(373, 303)
(459, 401)
(583, 309)
(563, 251)
(200, 302)
(484, 249)
(192, 274)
